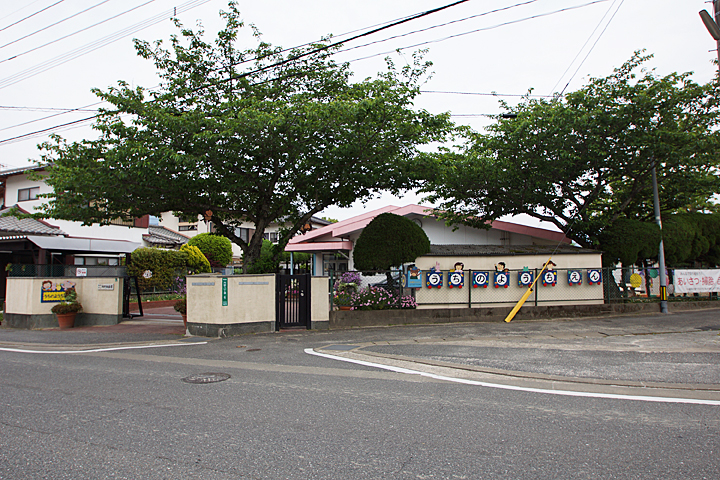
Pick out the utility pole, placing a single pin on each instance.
(713, 25)
(661, 254)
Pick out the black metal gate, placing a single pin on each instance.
(127, 294)
(292, 303)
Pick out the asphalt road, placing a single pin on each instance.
(124, 411)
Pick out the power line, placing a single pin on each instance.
(38, 132)
(53, 24)
(482, 29)
(61, 59)
(74, 33)
(20, 9)
(46, 109)
(63, 111)
(31, 15)
(593, 47)
(487, 94)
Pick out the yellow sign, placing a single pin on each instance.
(635, 280)
(53, 296)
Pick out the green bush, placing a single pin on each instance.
(196, 262)
(389, 241)
(217, 249)
(162, 266)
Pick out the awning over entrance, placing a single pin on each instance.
(69, 244)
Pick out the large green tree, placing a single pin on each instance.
(261, 135)
(584, 161)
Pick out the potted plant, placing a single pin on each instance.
(181, 307)
(344, 300)
(66, 310)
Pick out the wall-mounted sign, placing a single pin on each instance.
(594, 277)
(434, 279)
(574, 277)
(549, 278)
(53, 292)
(525, 278)
(224, 292)
(456, 279)
(480, 279)
(414, 277)
(502, 279)
(81, 272)
(106, 286)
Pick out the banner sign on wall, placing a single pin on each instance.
(696, 281)
(54, 291)
(480, 279)
(456, 279)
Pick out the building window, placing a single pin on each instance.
(187, 228)
(242, 233)
(272, 236)
(25, 194)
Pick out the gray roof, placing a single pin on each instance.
(163, 236)
(496, 250)
(26, 226)
(85, 245)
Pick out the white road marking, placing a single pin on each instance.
(568, 393)
(96, 350)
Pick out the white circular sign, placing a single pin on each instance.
(147, 274)
(525, 278)
(549, 277)
(501, 279)
(434, 279)
(480, 278)
(455, 278)
(594, 276)
(575, 277)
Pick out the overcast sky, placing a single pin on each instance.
(529, 44)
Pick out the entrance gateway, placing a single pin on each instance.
(292, 301)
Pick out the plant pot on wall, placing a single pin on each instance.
(66, 320)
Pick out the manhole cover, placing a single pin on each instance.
(206, 378)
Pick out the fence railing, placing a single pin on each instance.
(477, 288)
(32, 270)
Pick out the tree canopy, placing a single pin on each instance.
(584, 161)
(389, 240)
(261, 134)
(217, 249)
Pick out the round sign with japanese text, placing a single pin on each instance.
(594, 277)
(502, 279)
(549, 278)
(434, 279)
(574, 277)
(480, 279)
(456, 279)
(525, 279)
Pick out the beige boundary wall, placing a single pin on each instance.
(561, 294)
(101, 298)
(249, 306)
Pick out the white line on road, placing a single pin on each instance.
(641, 398)
(96, 350)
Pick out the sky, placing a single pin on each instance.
(54, 52)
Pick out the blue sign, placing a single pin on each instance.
(456, 279)
(574, 277)
(414, 277)
(480, 279)
(594, 277)
(434, 279)
(549, 278)
(502, 279)
(525, 278)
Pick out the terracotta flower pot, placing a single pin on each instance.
(345, 307)
(66, 320)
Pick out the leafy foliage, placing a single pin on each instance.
(217, 249)
(629, 241)
(584, 161)
(268, 261)
(196, 260)
(243, 135)
(389, 240)
(162, 265)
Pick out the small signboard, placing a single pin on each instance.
(414, 277)
(456, 279)
(54, 291)
(574, 277)
(434, 279)
(549, 278)
(594, 277)
(525, 278)
(81, 272)
(106, 286)
(502, 279)
(224, 292)
(481, 279)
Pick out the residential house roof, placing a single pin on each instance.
(10, 225)
(162, 236)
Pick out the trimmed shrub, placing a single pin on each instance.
(196, 262)
(155, 267)
(389, 241)
(217, 249)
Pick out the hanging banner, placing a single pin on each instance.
(434, 279)
(696, 281)
(594, 277)
(456, 279)
(502, 279)
(574, 277)
(525, 278)
(549, 278)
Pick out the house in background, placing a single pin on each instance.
(332, 245)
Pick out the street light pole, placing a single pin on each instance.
(661, 254)
(712, 25)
